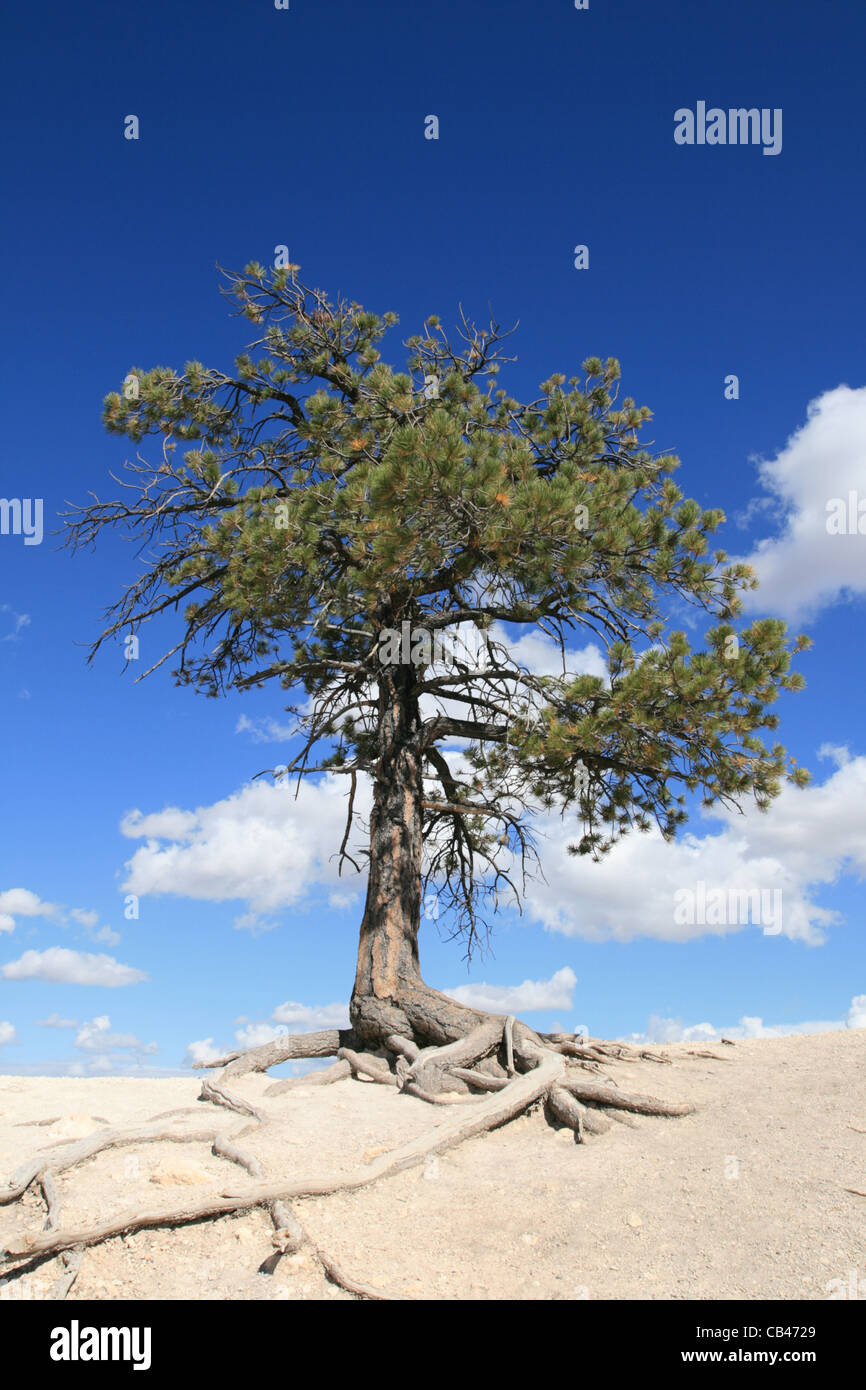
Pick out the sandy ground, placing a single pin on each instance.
(743, 1199)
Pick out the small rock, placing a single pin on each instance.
(74, 1127)
(179, 1173)
(369, 1154)
(634, 1219)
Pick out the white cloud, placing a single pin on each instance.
(805, 568)
(291, 1017)
(665, 1030)
(106, 1051)
(857, 1012)
(96, 1036)
(108, 935)
(71, 967)
(7, 1034)
(85, 918)
(257, 1034)
(265, 730)
(541, 654)
(170, 824)
(342, 900)
(301, 1018)
(555, 993)
(272, 850)
(19, 622)
(203, 1050)
(56, 1021)
(837, 753)
(20, 902)
(260, 845)
(809, 837)
(253, 923)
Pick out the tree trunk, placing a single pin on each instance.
(388, 948)
(389, 995)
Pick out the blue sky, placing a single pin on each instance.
(305, 127)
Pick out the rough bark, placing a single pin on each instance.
(389, 995)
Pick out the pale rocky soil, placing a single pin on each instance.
(743, 1199)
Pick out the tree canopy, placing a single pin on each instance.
(321, 518)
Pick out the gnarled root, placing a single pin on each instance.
(493, 1070)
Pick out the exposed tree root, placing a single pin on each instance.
(619, 1100)
(621, 1117)
(592, 1050)
(290, 1236)
(495, 1070)
(326, 1077)
(72, 1260)
(376, 1068)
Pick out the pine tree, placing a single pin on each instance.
(375, 541)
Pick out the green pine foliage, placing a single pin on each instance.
(315, 496)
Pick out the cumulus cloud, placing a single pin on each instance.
(84, 918)
(301, 1018)
(257, 1034)
(96, 1036)
(105, 1051)
(20, 902)
(72, 968)
(266, 848)
(56, 1021)
(290, 1017)
(805, 567)
(665, 1030)
(261, 845)
(170, 824)
(254, 923)
(108, 935)
(203, 1050)
(265, 730)
(7, 1034)
(541, 654)
(857, 1013)
(811, 836)
(555, 993)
